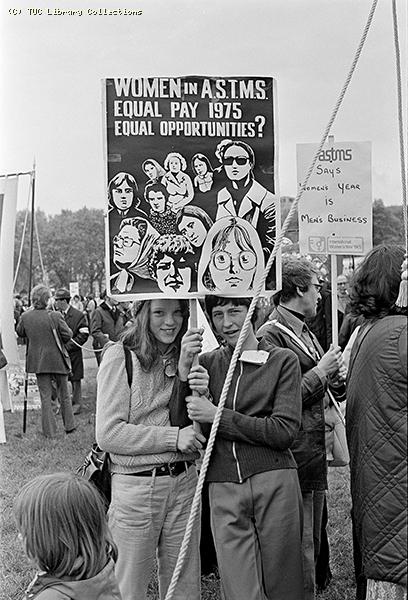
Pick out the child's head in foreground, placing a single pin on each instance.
(62, 523)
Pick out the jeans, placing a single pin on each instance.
(49, 424)
(148, 518)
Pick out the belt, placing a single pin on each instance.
(171, 469)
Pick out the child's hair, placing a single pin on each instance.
(62, 521)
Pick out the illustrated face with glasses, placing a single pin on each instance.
(233, 266)
(237, 163)
(126, 245)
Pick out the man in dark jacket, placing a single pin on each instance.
(46, 356)
(76, 320)
(287, 329)
(107, 323)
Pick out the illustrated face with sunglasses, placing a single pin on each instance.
(237, 163)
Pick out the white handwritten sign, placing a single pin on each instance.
(335, 210)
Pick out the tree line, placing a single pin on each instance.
(72, 244)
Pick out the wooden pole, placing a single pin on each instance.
(30, 280)
(30, 272)
(335, 320)
(194, 323)
(25, 402)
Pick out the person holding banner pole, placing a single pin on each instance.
(255, 499)
(153, 448)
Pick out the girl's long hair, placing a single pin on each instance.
(62, 521)
(140, 339)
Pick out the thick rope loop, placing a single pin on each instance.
(197, 496)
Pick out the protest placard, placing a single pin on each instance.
(335, 210)
(192, 191)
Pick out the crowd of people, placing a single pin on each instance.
(267, 476)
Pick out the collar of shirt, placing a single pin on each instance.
(300, 329)
(292, 320)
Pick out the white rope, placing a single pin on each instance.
(400, 123)
(23, 235)
(197, 496)
(87, 349)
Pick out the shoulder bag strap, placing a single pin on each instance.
(294, 337)
(61, 348)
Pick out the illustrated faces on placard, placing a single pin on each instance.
(173, 273)
(150, 170)
(126, 245)
(157, 201)
(193, 229)
(122, 191)
(174, 164)
(237, 163)
(200, 166)
(232, 267)
(232, 257)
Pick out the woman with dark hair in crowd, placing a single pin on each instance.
(376, 421)
(153, 448)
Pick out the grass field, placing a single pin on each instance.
(25, 456)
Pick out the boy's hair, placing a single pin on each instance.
(62, 521)
(213, 301)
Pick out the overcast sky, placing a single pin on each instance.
(52, 67)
